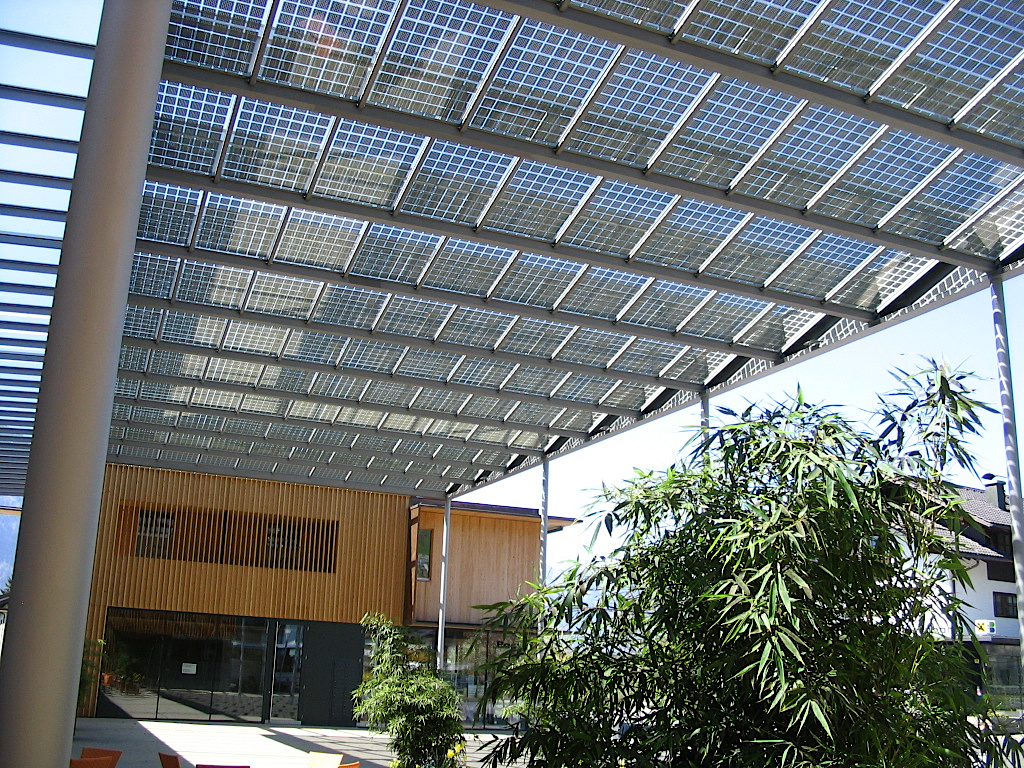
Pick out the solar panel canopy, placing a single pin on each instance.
(414, 246)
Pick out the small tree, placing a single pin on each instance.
(775, 601)
(419, 711)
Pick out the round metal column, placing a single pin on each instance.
(43, 643)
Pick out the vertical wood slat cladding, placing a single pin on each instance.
(490, 557)
(218, 559)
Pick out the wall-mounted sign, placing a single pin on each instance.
(189, 669)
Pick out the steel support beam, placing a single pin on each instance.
(42, 656)
(1009, 417)
(443, 604)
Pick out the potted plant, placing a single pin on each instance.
(406, 699)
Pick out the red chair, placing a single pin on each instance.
(168, 761)
(111, 754)
(91, 762)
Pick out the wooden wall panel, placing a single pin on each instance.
(491, 557)
(220, 521)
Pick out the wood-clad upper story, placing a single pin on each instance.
(493, 555)
(181, 541)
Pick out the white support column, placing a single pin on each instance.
(545, 496)
(53, 573)
(442, 608)
(1013, 482)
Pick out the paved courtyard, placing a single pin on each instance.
(238, 744)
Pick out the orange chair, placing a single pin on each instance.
(168, 761)
(91, 762)
(111, 754)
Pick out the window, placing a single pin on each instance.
(153, 534)
(1005, 604)
(424, 541)
(1001, 571)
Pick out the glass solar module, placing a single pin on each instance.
(449, 429)
(180, 364)
(178, 457)
(735, 121)
(466, 267)
(536, 280)
(430, 364)
(216, 286)
(274, 145)
(532, 336)
(959, 191)
(205, 421)
(188, 441)
(282, 295)
(237, 426)
(440, 401)
(876, 282)
(254, 338)
(126, 388)
(754, 29)
(219, 34)
(334, 437)
(189, 127)
(882, 177)
(854, 41)
(291, 432)
(630, 395)
(602, 293)
(230, 444)
(477, 372)
(616, 218)
(326, 47)
(591, 347)
(642, 101)
(724, 316)
(151, 416)
(340, 387)
(998, 114)
(141, 322)
(455, 182)
(779, 327)
(758, 250)
(215, 398)
(314, 347)
(392, 253)
(994, 233)
(534, 380)
(486, 407)
(821, 267)
(659, 15)
(348, 306)
(664, 305)
(286, 379)
(584, 388)
(476, 327)
(317, 239)
(263, 404)
(153, 275)
(168, 213)
(697, 365)
(362, 354)
(689, 234)
(186, 328)
(410, 316)
(321, 412)
(236, 225)
(133, 359)
(368, 164)
(537, 200)
(439, 56)
(806, 156)
(647, 356)
(540, 83)
(977, 40)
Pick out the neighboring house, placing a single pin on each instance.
(991, 600)
(223, 598)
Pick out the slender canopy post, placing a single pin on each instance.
(1013, 482)
(53, 573)
(545, 494)
(445, 540)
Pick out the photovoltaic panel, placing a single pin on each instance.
(754, 29)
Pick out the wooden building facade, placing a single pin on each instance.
(238, 599)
